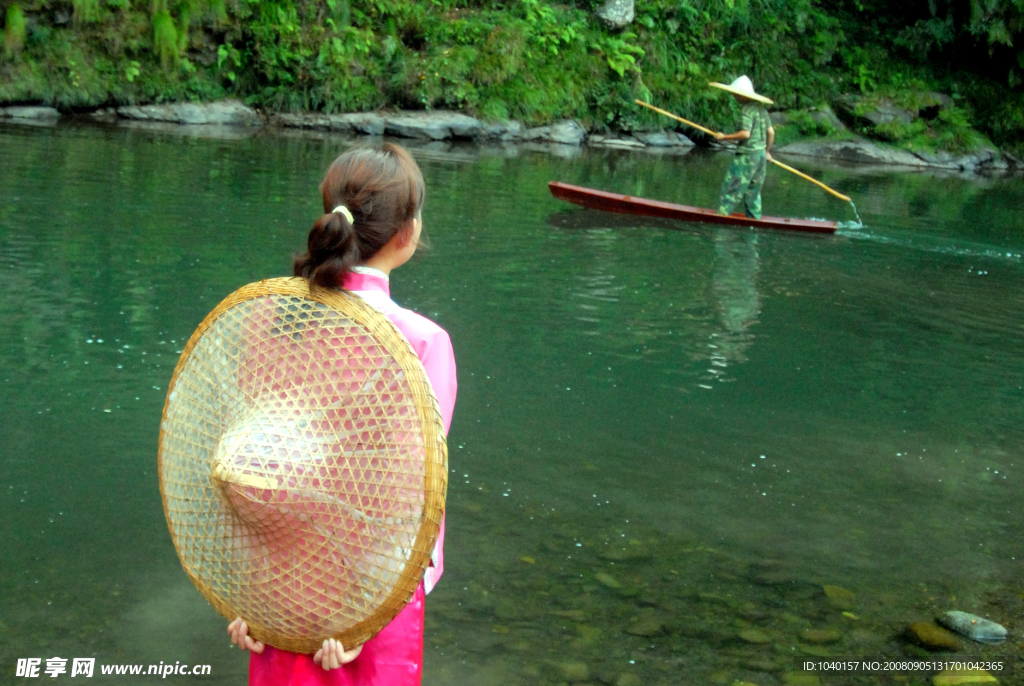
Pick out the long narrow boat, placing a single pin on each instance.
(627, 204)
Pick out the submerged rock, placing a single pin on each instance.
(800, 679)
(951, 677)
(572, 671)
(932, 636)
(755, 636)
(646, 624)
(839, 597)
(821, 635)
(607, 580)
(973, 627)
(629, 553)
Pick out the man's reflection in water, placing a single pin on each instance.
(735, 297)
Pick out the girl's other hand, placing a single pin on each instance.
(239, 632)
(334, 655)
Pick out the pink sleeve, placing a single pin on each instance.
(439, 362)
(434, 348)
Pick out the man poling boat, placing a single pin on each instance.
(717, 135)
(742, 183)
(754, 140)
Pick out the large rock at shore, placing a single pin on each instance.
(36, 114)
(854, 150)
(618, 14)
(363, 123)
(865, 152)
(222, 112)
(663, 139)
(503, 130)
(566, 132)
(433, 125)
(873, 112)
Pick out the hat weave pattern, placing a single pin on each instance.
(303, 465)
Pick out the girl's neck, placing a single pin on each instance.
(370, 271)
(381, 263)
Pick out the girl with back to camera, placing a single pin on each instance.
(373, 202)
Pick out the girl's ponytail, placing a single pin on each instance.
(332, 250)
(373, 193)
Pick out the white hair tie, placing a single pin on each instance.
(342, 210)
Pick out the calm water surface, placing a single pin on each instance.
(669, 441)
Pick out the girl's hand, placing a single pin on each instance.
(334, 655)
(239, 632)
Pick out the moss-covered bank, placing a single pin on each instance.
(526, 60)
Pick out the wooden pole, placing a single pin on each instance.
(669, 114)
(814, 181)
(774, 161)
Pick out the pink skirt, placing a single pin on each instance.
(394, 657)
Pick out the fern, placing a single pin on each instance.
(165, 38)
(14, 31)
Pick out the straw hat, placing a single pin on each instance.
(742, 87)
(303, 465)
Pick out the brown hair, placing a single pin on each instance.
(383, 189)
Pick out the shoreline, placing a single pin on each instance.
(566, 138)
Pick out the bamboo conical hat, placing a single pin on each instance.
(303, 465)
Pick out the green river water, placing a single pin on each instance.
(669, 439)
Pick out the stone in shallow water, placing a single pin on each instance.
(839, 597)
(800, 679)
(755, 636)
(814, 651)
(932, 636)
(629, 553)
(821, 635)
(965, 676)
(607, 580)
(628, 679)
(573, 671)
(973, 627)
(646, 625)
(507, 610)
(761, 664)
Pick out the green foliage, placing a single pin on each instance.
(619, 52)
(14, 31)
(983, 36)
(165, 38)
(533, 60)
(85, 11)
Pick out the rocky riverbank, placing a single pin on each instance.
(455, 126)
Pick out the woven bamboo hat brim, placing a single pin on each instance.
(742, 87)
(303, 465)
